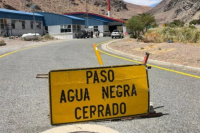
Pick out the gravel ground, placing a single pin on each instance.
(18, 43)
(177, 53)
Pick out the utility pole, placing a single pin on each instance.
(34, 23)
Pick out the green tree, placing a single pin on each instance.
(135, 26)
(140, 23)
(148, 20)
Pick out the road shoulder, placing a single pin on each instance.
(107, 47)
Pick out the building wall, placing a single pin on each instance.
(124, 30)
(101, 29)
(115, 24)
(64, 36)
(52, 19)
(93, 22)
(56, 32)
(18, 31)
(106, 28)
(55, 19)
(119, 28)
(54, 29)
(82, 27)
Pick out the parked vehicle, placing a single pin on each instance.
(81, 34)
(117, 33)
(106, 33)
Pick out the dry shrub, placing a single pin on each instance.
(2, 43)
(168, 34)
(47, 37)
(153, 35)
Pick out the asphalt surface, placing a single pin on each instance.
(24, 99)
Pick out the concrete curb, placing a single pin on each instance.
(106, 47)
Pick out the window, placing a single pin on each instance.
(1, 24)
(76, 28)
(31, 23)
(65, 28)
(38, 24)
(95, 28)
(13, 24)
(23, 24)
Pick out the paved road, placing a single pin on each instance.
(25, 102)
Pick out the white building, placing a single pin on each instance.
(100, 22)
(16, 23)
(62, 26)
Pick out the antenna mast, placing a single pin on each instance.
(108, 3)
(86, 4)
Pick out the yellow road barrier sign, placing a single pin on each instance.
(98, 93)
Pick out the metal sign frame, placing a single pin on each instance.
(94, 68)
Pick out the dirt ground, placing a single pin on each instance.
(18, 43)
(177, 53)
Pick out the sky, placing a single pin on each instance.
(151, 3)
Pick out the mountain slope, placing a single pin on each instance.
(169, 10)
(119, 8)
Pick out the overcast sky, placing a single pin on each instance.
(144, 2)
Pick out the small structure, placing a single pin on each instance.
(62, 26)
(17, 23)
(99, 22)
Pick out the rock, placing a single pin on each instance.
(63, 6)
(169, 10)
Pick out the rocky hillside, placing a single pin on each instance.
(119, 8)
(169, 10)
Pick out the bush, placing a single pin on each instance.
(153, 35)
(2, 43)
(133, 36)
(194, 22)
(168, 34)
(192, 27)
(175, 23)
(48, 37)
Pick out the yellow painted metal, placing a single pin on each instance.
(98, 93)
(98, 55)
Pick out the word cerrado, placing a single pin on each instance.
(107, 92)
